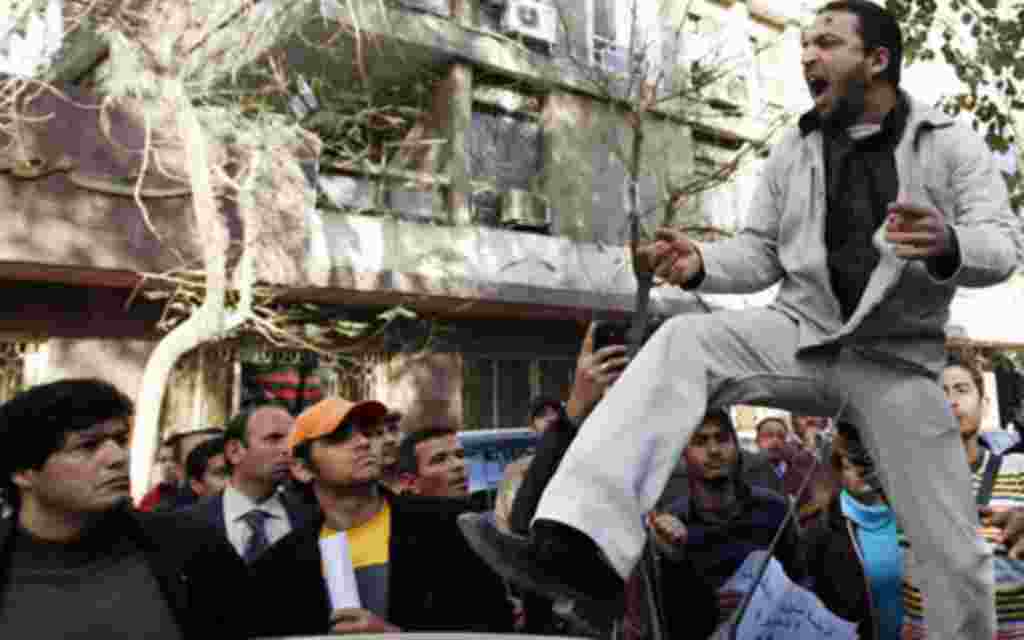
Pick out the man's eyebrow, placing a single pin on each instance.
(100, 431)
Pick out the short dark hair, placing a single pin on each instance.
(238, 426)
(199, 458)
(878, 28)
(35, 423)
(724, 420)
(540, 403)
(407, 462)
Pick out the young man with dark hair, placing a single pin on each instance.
(76, 561)
(869, 214)
(251, 513)
(206, 470)
(165, 479)
(707, 533)
(171, 497)
(432, 462)
(412, 567)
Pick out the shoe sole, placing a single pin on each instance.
(508, 555)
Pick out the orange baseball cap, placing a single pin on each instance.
(327, 415)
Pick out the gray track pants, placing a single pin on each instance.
(619, 462)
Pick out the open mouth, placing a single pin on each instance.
(817, 86)
(117, 483)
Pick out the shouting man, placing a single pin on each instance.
(869, 215)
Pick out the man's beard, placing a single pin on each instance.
(850, 106)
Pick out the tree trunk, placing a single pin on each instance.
(644, 280)
(208, 322)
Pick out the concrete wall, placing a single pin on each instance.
(427, 388)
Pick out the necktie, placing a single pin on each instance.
(258, 541)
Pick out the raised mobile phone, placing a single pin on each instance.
(607, 334)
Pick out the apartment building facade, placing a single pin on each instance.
(499, 216)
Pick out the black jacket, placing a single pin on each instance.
(435, 581)
(836, 572)
(202, 579)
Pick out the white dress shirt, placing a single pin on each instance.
(237, 504)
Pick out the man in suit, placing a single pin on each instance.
(413, 569)
(251, 512)
(868, 215)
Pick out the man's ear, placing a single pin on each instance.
(879, 60)
(234, 450)
(24, 479)
(197, 487)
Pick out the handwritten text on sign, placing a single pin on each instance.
(781, 609)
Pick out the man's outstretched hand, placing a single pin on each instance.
(672, 257)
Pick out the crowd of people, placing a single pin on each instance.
(878, 495)
(237, 550)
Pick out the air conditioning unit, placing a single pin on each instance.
(437, 7)
(412, 204)
(521, 209)
(531, 19)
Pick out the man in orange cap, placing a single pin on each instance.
(413, 570)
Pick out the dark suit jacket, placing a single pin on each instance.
(435, 581)
(211, 511)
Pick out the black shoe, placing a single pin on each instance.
(555, 561)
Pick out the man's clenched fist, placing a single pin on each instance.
(672, 257)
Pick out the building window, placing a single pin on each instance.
(610, 28)
(497, 392)
(506, 152)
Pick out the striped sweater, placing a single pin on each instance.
(1007, 493)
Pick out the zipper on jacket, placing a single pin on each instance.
(867, 581)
